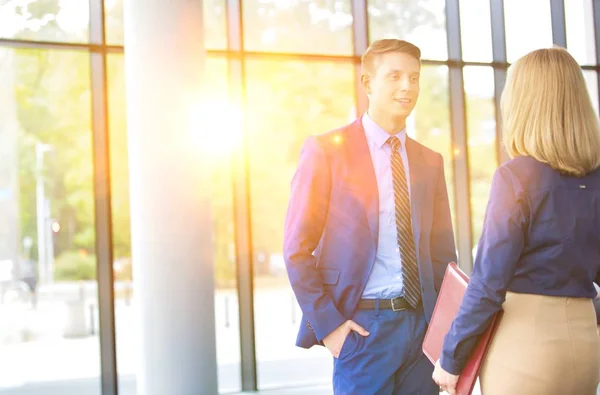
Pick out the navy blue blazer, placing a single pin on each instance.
(331, 227)
(541, 235)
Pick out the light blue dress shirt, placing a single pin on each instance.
(385, 280)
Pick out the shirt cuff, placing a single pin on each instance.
(451, 366)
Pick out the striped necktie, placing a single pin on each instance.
(406, 241)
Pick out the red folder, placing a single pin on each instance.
(446, 308)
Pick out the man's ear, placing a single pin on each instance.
(365, 81)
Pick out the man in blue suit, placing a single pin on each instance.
(368, 235)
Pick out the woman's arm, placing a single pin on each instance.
(597, 305)
(498, 252)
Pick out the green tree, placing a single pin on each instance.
(482, 156)
(53, 107)
(401, 18)
(40, 20)
(214, 23)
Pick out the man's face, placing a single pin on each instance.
(393, 84)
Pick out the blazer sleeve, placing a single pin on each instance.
(597, 300)
(443, 249)
(304, 223)
(498, 253)
(597, 309)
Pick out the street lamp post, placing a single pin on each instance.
(42, 213)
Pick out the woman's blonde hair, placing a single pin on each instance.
(547, 113)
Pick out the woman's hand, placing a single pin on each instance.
(445, 380)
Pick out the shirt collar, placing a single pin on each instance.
(376, 135)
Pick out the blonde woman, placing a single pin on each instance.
(539, 253)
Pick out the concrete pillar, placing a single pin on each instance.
(170, 219)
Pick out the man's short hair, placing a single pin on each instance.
(387, 45)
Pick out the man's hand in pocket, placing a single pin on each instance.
(335, 340)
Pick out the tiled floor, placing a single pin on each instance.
(299, 391)
(321, 390)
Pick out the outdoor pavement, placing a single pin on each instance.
(36, 358)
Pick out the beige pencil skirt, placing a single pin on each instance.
(544, 345)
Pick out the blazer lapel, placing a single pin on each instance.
(361, 169)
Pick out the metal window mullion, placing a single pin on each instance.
(18, 43)
(459, 137)
(241, 203)
(596, 11)
(360, 40)
(102, 201)
(559, 30)
(500, 66)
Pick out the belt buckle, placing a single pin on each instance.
(394, 306)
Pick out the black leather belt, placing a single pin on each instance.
(396, 304)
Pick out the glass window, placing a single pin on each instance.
(481, 130)
(226, 311)
(429, 122)
(422, 22)
(43, 20)
(214, 20)
(591, 80)
(528, 27)
(476, 30)
(48, 289)
(301, 26)
(113, 19)
(286, 104)
(579, 18)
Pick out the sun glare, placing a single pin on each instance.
(216, 127)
